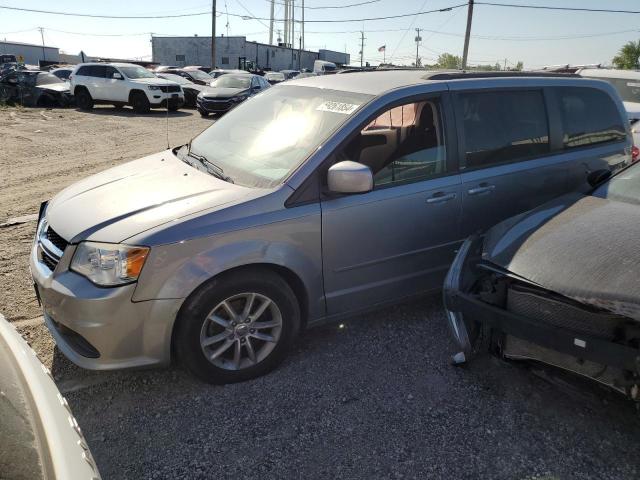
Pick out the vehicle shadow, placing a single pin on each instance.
(128, 112)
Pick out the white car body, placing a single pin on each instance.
(117, 89)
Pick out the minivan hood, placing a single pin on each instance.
(136, 196)
(582, 247)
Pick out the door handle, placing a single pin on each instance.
(482, 188)
(441, 197)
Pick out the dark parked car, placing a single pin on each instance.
(190, 89)
(193, 74)
(559, 284)
(33, 88)
(228, 91)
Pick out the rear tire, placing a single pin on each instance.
(139, 102)
(174, 108)
(83, 99)
(246, 340)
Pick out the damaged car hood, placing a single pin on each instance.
(582, 247)
(136, 196)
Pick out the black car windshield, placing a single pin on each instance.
(47, 79)
(175, 78)
(261, 141)
(232, 81)
(624, 187)
(137, 72)
(200, 75)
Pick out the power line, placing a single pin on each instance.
(547, 7)
(328, 7)
(244, 17)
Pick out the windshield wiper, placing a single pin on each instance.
(211, 167)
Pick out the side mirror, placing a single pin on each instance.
(117, 76)
(350, 177)
(597, 177)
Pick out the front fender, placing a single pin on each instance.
(175, 270)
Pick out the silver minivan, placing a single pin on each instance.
(319, 198)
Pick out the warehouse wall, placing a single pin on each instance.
(32, 54)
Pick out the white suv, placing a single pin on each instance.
(123, 84)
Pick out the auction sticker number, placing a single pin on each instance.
(337, 107)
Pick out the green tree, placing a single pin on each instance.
(449, 61)
(628, 55)
(519, 66)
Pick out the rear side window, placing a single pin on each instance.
(589, 116)
(502, 127)
(83, 71)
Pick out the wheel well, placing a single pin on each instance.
(135, 92)
(292, 279)
(79, 88)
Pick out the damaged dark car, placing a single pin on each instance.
(558, 285)
(33, 88)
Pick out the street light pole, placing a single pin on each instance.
(467, 34)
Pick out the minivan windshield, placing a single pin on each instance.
(260, 142)
(137, 72)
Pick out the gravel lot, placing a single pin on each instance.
(372, 398)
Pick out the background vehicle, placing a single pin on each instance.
(219, 72)
(228, 91)
(274, 77)
(190, 89)
(551, 285)
(627, 84)
(322, 67)
(289, 74)
(40, 437)
(120, 84)
(62, 73)
(319, 198)
(193, 74)
(33, 88)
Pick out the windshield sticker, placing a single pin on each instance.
(633, 84)
(337, 107)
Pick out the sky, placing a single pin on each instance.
(499, 34)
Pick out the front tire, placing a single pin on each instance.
(238, 326)
(140, 103)
(203, 113)
(84, 100)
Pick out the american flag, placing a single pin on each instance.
(383, 48)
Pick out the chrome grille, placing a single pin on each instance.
(56, 239)
(51, 247)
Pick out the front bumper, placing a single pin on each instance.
(164, 99)
(212, 105)
(463, 308)
(102, 328)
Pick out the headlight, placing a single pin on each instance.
(154, 87)
(109, 264)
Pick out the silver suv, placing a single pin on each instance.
(320, 198)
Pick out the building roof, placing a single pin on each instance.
(4, 42)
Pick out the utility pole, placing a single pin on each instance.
(213, 34)
(300, 54)
(293, 23)
(303, 24)
(418, 40)
(505, 64)
(273, 3)
(286, 22)
(362, 39)
(467, 35)
(44, 53)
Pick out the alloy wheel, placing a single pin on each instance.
(241, 331)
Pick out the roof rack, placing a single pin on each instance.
(476, 74)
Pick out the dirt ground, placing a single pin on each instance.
(372, 398)
(43, 151)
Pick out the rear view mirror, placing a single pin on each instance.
(117, 76)
(350, 177)
(599, 176)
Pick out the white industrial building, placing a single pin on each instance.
(237, 52)
(29, 53)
